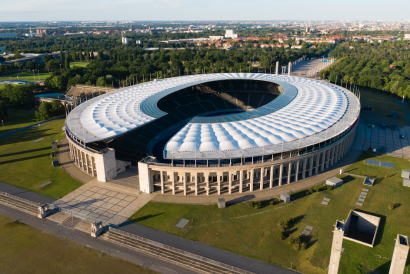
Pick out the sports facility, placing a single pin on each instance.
(214, 133)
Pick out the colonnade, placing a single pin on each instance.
(83, 159)
(226, 180)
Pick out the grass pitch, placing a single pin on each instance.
(79, 64)
(26, 249)
(254, 232)
(25, 76)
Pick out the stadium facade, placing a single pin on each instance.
(214, 133)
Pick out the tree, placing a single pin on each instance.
(57, 108)
(67, 62)
(44, 111)
(3, 110)
(101, 81)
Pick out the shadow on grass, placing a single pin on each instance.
(240, 200)
(297, 220)
(380, 230)
(143, 218)
(348, 179)
(25, 158)
(384, 268)
(28, 135)
(23, 152)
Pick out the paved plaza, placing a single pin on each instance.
(376, 137)
(96, 201)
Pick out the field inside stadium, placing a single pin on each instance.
(25, 161)
(254, 232)
(23, 249)
(25, 76)
(78, 64)
(17, 119)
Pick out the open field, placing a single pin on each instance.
(79, 64)
(254, 232)
(26, 76)
(25, 249)
(17, 119)
(25, 161)
(382, 107)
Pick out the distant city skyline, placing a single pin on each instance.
(194, 10)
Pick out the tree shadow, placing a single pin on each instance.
(348, 179)
(384, 268)
(240, 200)
(143, 218)
(28, 135)
(25, 158)
(297, 220)
(23, 152)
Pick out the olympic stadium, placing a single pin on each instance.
(214, 134)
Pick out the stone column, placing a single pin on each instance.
(317, 163)
(297, 170)
(261, 178)
(289, 172)
(230, 183)
(173, 182)
(332, 155)
(336, 250)
(86, 162)
(290, 68)
(322, 166)
(311, 166)
(196, 182)
(271, 177)
(251, 180)
(400, 253)
(162, 181)
(206, 174)
(240, 181)
(184, 179)
(280, 174)
(218, 179)
(304, 168)
(326, 164)
(277, 68)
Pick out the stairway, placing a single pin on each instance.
(176, 258)
(31, 209)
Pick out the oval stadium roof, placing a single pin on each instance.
(306, 109)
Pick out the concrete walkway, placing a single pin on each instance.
(406, 111)
(198, 248)
(69, 166)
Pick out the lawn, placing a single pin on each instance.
(25, 161)
(25, 76)
(382, 107)
(17, 119)
(240, 229)
(26, 249)
(79, 64)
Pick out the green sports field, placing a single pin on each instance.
(26, 76)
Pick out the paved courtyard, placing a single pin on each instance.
(377, 137)
(96, 201)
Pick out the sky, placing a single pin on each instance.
(190, 10)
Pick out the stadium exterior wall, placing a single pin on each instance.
(102, 165)
(245, 177)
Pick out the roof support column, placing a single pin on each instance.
(184, 179)
(173, 182)
(219, 182)
(271, 176)
(206, 174)
(262, 173)
(317, 163)
(310, 166)
(196, 183)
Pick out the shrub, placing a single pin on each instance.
(272, 202)
(282, 235)
(311, 190)
(283, 225)
(250, 204)
(391, 206)
(258, 204)
(329, 187)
